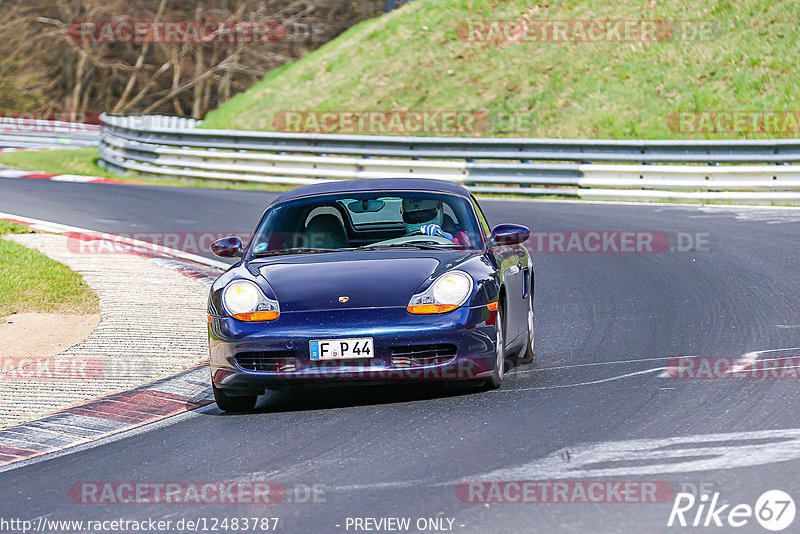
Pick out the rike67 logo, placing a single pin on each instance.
(774, 510)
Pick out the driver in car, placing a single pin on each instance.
(426, 216)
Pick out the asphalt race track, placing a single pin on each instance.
(595, 406)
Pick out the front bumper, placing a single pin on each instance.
(469, 331)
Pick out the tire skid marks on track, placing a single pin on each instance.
(742, 364)
(671, 455)
(599, 380)
(746, 362)
(773, 215)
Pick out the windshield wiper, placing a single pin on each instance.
(296, 250)
(423, 246)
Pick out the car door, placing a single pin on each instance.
(511, 261)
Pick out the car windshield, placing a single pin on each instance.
(369, 220)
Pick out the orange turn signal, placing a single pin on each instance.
(257, 316)
(492, 306)
(209, 319)
(420, 309)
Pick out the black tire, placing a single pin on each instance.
(232, 403)
(528, 354)
(495, 380)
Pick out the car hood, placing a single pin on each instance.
(364, 279)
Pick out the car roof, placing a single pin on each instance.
(375, 184)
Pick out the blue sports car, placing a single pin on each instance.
(369, 281)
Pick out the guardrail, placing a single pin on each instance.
(36, 133)
(756, 171)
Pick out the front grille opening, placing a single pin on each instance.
(355, 362)
(422, 355)
(273, 362)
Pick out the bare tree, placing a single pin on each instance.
(50, 62)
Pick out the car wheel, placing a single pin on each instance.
(496, 378)
(233, 403)
(527, 354)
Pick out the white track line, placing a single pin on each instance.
(617, 362)
(58, 228)
(562, 386)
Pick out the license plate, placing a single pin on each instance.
(341, 349)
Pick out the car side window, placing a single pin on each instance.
(481, 217)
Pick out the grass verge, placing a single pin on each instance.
(81, 161)
(32, 282)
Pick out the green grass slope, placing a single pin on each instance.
(32, 282)
(414, 59)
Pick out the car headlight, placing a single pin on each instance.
(244, 300)
(447, 293)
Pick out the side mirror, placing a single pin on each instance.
(227, 247)
(509, 234)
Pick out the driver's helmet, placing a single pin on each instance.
(418, 213)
